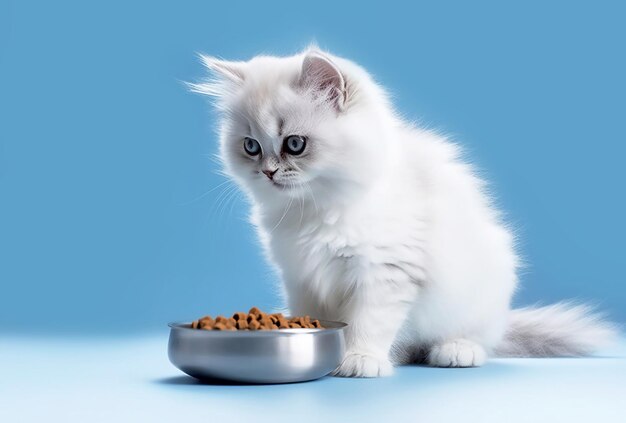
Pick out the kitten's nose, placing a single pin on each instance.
(270, 173)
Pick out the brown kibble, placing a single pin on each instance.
(282, 322)
(265, 321)
(255, 320)
(279, 319)
(206, 319)
(240, 316)
(206, 323)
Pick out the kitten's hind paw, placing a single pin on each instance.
(363, 365)
(457, 353)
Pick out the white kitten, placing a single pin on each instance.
(377, 223)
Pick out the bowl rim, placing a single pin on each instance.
(329, 326)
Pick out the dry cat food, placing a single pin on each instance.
(255, 319)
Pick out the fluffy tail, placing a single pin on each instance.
(559, 330)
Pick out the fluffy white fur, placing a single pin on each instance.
(378, 223)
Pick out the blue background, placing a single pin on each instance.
(112, 217)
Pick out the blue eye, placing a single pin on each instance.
(251, 146)
(294, 144)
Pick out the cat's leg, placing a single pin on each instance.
(457, 353)
(376, 314)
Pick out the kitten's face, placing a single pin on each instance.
(276, 138)
(286, 131)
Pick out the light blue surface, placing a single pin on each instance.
(130, 380)
(111, 209)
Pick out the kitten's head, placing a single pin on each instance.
(299, 125)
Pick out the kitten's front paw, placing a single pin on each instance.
(457, 353)
(363, 365)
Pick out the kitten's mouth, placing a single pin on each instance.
(283, 186)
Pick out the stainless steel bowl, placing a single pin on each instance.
(273, 356)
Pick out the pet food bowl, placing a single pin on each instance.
(268, 356)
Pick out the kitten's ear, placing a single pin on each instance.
(322, 75)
